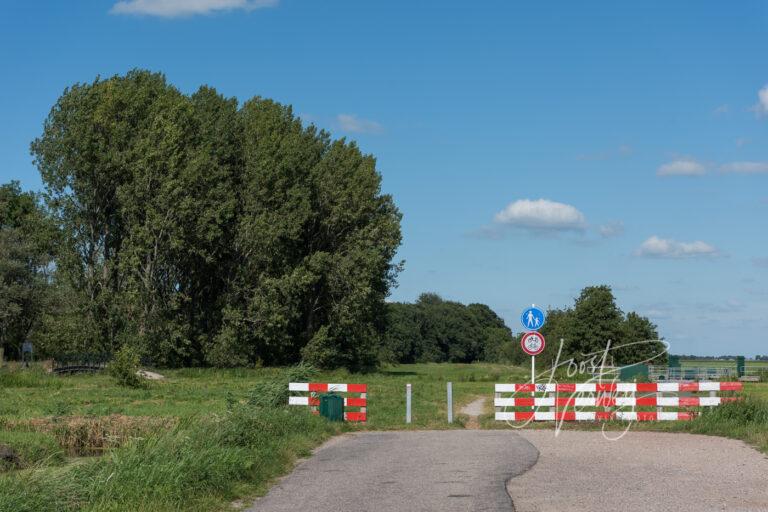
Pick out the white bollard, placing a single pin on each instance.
(407, 403)
(450, 403)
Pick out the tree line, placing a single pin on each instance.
(436, 330)
(198, 230)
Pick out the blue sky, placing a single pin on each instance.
(533, 148)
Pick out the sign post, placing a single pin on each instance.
(532, 341)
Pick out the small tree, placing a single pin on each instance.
(124, 367)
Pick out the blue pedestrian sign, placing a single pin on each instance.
(533, 318)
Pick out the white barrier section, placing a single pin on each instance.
(609, 401)
(313, 401)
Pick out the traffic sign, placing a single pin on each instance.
(533, 318)
(533, 343)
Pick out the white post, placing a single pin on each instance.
(407, 403)
(450, 403)
(533, 380)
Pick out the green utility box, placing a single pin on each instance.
(637, 372)
(332, 407)
(740, 366)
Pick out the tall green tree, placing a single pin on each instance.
(207, 233)
(27, 242)
(593, 322)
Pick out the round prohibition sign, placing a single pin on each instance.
(533, 343)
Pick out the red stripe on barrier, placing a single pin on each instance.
(566, 388)
(524, 402)
(565, 416)
(645, 402)
(687, 401)
(605, 387)
(525, 388)
(646, 386)
(731, 386)
(317, 387)
(646, 416)
(523, 416)
(356, 402)
(357, 388)
(604, 415)
(355, 416)
(688, 386)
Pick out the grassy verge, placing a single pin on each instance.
(197, 465)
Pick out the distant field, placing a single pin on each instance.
(721, 363)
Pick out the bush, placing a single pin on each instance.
(274, 393)
(124, 367)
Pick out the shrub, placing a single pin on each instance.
(124, 368)
(274, 392)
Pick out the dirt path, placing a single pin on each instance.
(473, 410)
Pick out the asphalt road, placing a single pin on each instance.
(466, 470)
(454, 470)
(641, 471)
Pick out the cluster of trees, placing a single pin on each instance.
(199, 231)
(437, 330)
(592, 322)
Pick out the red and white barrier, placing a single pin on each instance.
(313, 401)
(618, 400)
(621, 387)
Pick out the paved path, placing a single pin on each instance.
(643, 471)
(446, 471)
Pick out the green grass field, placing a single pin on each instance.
(194, 441)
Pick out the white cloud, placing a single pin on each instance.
(656, 247)
(762, 101)
(354, 124)
(612, 229)
(682, 167)
(541, 215)
(745, 167)
(174, 8)
(721, 110)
